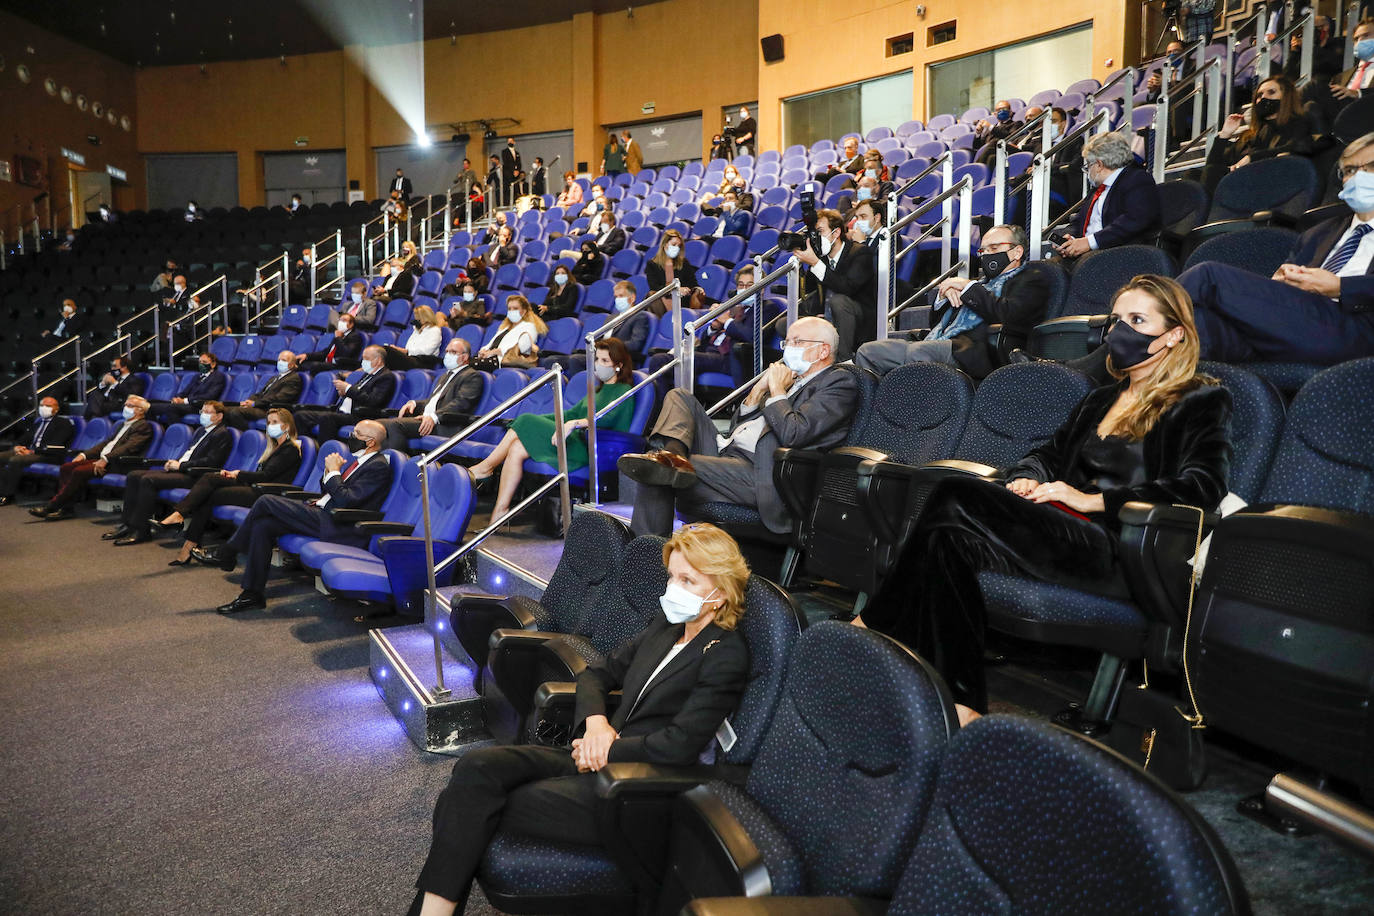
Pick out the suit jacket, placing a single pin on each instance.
(348, 351)
(634, 157)
(206, 388)
(401, 287)
(539, 181)
(211, 449)
(615, 240)
(1314, 247)
(1130, 212)
(816, 417)
(365, 318)
(1020, 307)
(135, 442)
(635, 334)
(737, 222)
(461, 396)
(854, 275)
(365, 488)
(406, 187)
(70, 327)
(280, 466)
(117, 393)
(510, 161)
(498, 255)
(59, 432)
(671, 719)
(285, 388)
(372, 392)
(1187, 453)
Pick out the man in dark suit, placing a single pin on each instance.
(539, 178)
(69, 324)
(850, 161)
(510, 164)
(402, 185)
(367, 314)
(300, 276)
(359, 482)
(610, 238)
(844, 279)
(343, 351)
(281, 390)
(1123, 208)
(45, 437)
(176, 301)
(802, 402)
(113, 389)
(457, 390)
(132, 439)
(209, 448)
(399, 283)
(1007, 294)
(368, 396)
(209, 385)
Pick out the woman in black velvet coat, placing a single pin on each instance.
(1160, 434)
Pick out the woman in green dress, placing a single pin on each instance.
(535, 435)
(612, 157)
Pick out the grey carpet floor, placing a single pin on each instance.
(159, 758)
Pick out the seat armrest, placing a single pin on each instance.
(367, 413)
(504, 638)
(353, 516)
(1274, 218)
(1157, 542)
(623, 780)
(786, 906)
(197, 470)
(635, 801)
(710, 852)
(277, 489)
(970, 468)
(380, 527)
(552, 707)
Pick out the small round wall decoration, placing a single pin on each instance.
(50, 85)
(67, 94)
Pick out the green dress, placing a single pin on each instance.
(536, 429)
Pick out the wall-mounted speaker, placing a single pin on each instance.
(772, 48)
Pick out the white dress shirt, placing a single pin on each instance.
(425, 341)
(1095, 218)
(105, 452)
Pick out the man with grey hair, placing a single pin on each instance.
(1007, 293)
(364, 398)
(130, 441)
(1122, 208)
(804, 401)
(456, 393)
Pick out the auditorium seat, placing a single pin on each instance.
(401, 510)
(1092, 285)
(165, 445)
(307, 478)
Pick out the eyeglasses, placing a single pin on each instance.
(1345, 172)
(996, 246)
(799, 341)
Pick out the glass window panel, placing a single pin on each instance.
(884, 102)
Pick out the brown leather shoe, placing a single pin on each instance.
(658, 469)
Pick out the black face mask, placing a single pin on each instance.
(1127, 346)
(994, 263)
(206, 368)
(1266, 108)
(355, 444)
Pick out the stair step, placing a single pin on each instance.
(401, 663)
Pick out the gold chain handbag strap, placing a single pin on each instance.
(1196, 718)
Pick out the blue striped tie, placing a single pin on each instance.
(1341, 256)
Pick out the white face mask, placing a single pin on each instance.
(207, 420)
(181, 287)
(794, 359)
(622, 303)
(468, 297)
(450, 360)
(128, 413)
(1053, 131)
(728, 206)
(680, 605)
(274, 430)
(371, 366)
(672, 251)
(45, 412)
(513, 316)
(560, 279)
(871, 173)
(343, 327)
(825, 245)
(283, 365)
(605, 373)
(357, 297)
(68, 313)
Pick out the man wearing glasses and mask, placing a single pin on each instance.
(804, 401)
(1008, 293)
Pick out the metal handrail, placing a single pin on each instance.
(55, 382)
(721, 308)
(121, 339)
(1307, 24)
(23, 378)
(1127, 98)
(266, 284)
(124, 324)
(1025, 129)
(618, 320)
(1040, 182)
(929, 204)
(1349, 823)
(938, 162)
(46, 353)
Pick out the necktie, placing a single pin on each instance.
(1357, 81)
(38, 434)
(1341, 256)
(329, 357)
(349, 468)
(1088, 213)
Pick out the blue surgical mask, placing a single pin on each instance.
(622, 303)
(283, 365)
(746, 302)
(369, 366)
(871, 173)
(1176, 59)
(274, 430)
(672, 251)
(469, 297)
(864, 193)
(794, 359)
(207, 420)
(128, 413)
(1004, 114)
(1358, 192)
(863, 226)
(680, 605)
(357, 297)
(450, 360)
(560, 279)
(1053, 130)
(1364, 49)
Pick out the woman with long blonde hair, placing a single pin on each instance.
(1160, 434)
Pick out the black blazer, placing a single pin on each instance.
(206, 388)
(1020, 307)
(854, 275)
(561, 301)
(118, 392)
(587, 271)
(1187, 453)
(60, 432)
(348, 351)
(279, 389)
(402, 184)
(1314, 247)
(401, 288)
(1130, 212)
(658, 278)
(280, 466)
(499, 255)
(366, 488)
(615, 240)
(673, 720)
(372, 392)
(135, 442)
(211, 449)
(70, 326)
(461, 396)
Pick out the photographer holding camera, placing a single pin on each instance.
(843, 276)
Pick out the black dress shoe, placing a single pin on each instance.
(6, 500)
(58, 515)
(138, 537)
(223, 556)
(40, 511)
(155, 524)
(122, 531)
(246, 601)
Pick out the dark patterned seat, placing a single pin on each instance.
(840, 786)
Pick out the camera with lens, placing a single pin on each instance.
(796, 241)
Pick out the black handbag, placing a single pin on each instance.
(1152, 729)
(486, 363)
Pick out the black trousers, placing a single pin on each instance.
(98, 404)
(166, 412)
(932, 602)
(269, 519)
(12, 467)
(530, 791)
(329, 421)
(140, 494)
(210, 491)
(243, 418)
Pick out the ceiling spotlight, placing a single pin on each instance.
(462, 138)
(282, 60)
(488, 134)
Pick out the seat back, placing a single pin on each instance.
(224, 348)
(312, 479)
(1182, 204)
(833, 767)
(1107, 837)
(95, 431)
(867, 382)
(1256, 424)
(1058, 282)
(1018, 407)
(164, 387)
(241, 386)
(770, 626)
(1324, 458)
(587, 573)
(641, 581)
(1259, 251)
(1099, 274)
(248, 446)
(402, 503)
(249, 351)
(1284, 183)
(919, 412)
(309, 450)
